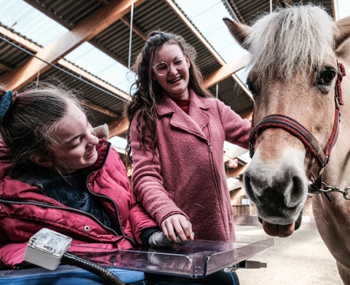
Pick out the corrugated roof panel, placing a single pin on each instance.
(24, 19)
(251, 10)
(207, 17)
(11, 56)
(101, 65)
(86, 91)
(67, 12)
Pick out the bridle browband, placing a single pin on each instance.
(296, 129)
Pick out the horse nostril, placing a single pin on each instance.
(249, 188)
(296, 191)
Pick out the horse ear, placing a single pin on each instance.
(343, 34)
(238, 31)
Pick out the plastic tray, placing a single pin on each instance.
(196, 259)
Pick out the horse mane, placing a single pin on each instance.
(289, 40)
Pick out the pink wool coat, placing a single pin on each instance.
(187, 176)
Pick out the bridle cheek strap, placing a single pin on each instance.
(299, 131)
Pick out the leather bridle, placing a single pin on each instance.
(296, 129)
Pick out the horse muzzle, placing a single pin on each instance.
(279, 191)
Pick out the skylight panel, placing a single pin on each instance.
(207, 16)
(29, 22)
(93, 60)
(343, 8)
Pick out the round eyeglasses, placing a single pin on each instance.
(162, 68)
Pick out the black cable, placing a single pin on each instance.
(105, 274)
(61, 69)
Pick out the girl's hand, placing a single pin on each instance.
(177, 228)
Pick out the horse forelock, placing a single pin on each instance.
(290, 40)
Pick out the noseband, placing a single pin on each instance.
(297, 130)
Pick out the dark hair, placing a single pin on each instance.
(29, 121)
(148, 91)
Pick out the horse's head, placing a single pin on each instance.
(293, 74)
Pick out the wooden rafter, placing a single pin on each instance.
(59, 19)
(118, 127)
(225, 71)
(134, 28)
(5, 67)
(234, 172)
(84, 31)
(72, 68)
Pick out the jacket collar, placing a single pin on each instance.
(102, 149)
(196, 119)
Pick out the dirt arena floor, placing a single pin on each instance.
(301, 259)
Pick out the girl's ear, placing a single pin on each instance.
(41, 160)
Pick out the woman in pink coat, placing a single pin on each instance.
(176, 138)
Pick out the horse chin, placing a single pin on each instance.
(281, 227)
(278, 230)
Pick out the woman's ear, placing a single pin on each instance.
(188, 61)
(41, 160)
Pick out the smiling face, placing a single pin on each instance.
(75, 147)
(175, 81)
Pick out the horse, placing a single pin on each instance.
(300, 138)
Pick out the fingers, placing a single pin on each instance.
(177, 226)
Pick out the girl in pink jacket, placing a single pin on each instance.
(176, 138)
(55, 173)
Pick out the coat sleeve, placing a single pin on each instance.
(147, 179)
(138, 218)
(236, 129)
(11, 255)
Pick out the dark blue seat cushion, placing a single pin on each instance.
(65, 275)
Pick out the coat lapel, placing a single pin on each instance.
(192, 123)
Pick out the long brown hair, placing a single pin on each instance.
(148, 91)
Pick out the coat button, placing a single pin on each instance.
(104, 144)
(87, 228)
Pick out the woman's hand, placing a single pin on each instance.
(177, 227)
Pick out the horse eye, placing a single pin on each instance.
(251, 86)
(326, 77)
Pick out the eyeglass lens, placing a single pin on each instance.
(162, 68)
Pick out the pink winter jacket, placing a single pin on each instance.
(187, 176)
(24, 211)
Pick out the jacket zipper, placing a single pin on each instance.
(108, 198)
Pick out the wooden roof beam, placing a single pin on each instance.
(118, 127)
(19, 40)
(225, 71)
(84, 31)
(137, 31)
(71, 68)
(234, 172)
(5, 67)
